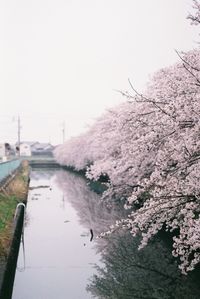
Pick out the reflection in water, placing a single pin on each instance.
(93, 213)
(42, 174)
(22, 267)
(150, 273)
(59, 264)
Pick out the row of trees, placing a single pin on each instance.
(149, 147)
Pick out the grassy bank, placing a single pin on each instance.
(15, 192)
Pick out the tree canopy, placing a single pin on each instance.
(149, 147)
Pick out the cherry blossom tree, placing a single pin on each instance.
(149, 147)
(195, 18)
(168, 132)
(74, 153)
(173, 185)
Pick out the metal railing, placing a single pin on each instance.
(6, 168)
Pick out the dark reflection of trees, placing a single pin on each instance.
(150, 273)
(93, 212)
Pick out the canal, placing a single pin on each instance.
(61, 258)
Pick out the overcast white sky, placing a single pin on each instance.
(61, 60)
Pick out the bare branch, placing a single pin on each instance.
(187, 69)
(186, 62)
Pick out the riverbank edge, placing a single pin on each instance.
(98, 186)
(8, 263)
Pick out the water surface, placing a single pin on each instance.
(57, 258)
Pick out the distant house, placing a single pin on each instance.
(6, 150)
(25, 150)
(2, 150)
(44, 149)
(32, 148)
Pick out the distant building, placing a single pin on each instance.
(42, 149)
(33, 148)
(25, 150)
(6, 150)
(2, 150)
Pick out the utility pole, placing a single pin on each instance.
(63, 131)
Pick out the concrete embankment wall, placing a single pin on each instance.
(7, 168)
(43, 163)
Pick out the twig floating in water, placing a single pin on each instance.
(92, 235)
